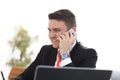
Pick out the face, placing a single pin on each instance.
(56, 28)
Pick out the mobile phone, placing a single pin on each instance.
(74, 35)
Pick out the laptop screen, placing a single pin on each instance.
(70, 73)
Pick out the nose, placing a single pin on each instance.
(52, 34)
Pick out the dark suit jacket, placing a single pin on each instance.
(80, 56)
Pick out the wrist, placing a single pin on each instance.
(64, 55)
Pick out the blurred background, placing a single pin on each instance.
(98, 27)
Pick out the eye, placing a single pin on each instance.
(49, 30)
(57, 30)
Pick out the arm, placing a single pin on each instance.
(90, 59)
(84, 58)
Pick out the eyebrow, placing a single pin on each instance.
(54, 29)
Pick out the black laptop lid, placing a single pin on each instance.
(70, 73)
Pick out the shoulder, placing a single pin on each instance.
(46, 47)
(89, 51)
(85, 50)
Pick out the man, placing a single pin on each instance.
(62, 28)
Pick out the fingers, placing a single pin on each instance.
(71, 34)
(64, 36)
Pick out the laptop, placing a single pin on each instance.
(70, 73)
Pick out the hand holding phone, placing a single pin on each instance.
(66, 40)
(74, 35)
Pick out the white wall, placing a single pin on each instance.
(98, 23)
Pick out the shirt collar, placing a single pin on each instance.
(72, 46)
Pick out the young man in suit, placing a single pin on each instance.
(72, 53)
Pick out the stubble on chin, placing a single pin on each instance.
(55, 45)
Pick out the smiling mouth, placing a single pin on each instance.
(54, 41)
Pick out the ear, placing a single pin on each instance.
(74, 28)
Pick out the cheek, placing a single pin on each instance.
(58, 35)
(48, 35)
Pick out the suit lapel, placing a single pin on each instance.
(51, 56)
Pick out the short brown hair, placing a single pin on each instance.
(64, 15)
